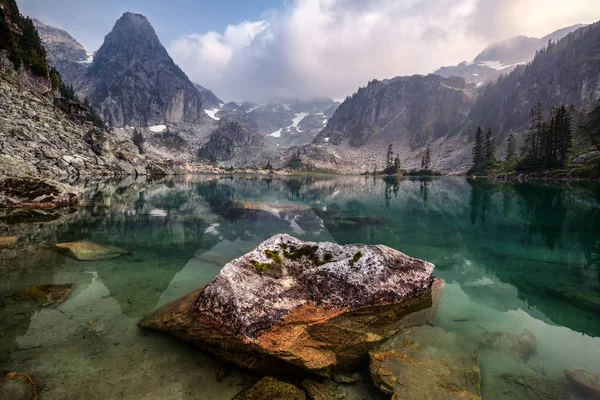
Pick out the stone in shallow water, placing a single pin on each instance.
(323, 391)
(291, 304)
(511, 386)
(586, 383)
(8, 242)
(45, 295)
(523, 344)
(427, 363)
(269, 388)
(271, 207)
(87, 251)
(18, 386)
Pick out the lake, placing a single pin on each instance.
(515, 257)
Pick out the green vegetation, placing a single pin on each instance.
(273, 255)
(550, 143)
(23, 44)
(262, 267)
(355, 259)
(310, 252)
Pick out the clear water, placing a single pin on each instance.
(514, 257)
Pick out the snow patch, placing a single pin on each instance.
(252, 109)
(158, 128)
(297, 119)
(213, 113)
(497, 65)
(89, 59)
(212, 229)
(157, 212)
(287, 107)
(276, 133)
(327, 139)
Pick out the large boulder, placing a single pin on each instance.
(586, 383)
(290, 305)
(427, 363)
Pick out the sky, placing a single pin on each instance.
(259, 49)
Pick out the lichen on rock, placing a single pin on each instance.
(291, 305)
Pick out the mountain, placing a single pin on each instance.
(44, 134)
(564, 73)
(208, 98)
(59, 44)
(235, 145)
(285, 122)
(410, 112)
(502, 57)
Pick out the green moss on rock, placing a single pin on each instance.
(355, 259)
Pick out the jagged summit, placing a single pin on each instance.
(136, 83)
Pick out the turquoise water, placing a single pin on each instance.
(515, 257)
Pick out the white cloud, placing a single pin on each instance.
(331, 47)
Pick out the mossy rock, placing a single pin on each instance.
(269, 388)
(88, 251)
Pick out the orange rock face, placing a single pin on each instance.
(290, 305)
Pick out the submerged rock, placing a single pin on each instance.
(511, 386)
(269, 388)
(291, 304)
(8, 242)
(18, 386)
(27, 192)
(45, 295)
(523, 344)
(271, 207)
(323, 391)
(586, 383)
(427, 363)
(87, 251)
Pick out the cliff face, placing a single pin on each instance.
(502, 57)
(236, 145)
(39, 139)
(135, 81)
(417, 109)
(60, 45)
(564, 73)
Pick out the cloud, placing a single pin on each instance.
(331, 47)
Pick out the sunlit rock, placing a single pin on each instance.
(8, 242)
(586, 383)
(323, 391)
(18, 386)
(269, 388)
(45, 295)
(87, 251)
(291, 304)
(427, 363)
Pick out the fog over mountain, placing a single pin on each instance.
(331, 47)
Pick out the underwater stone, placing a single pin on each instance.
(8, 242)
(88, 251)
(269, 388)
(323, 391)
(427, 363)
(18, 386)
(312, 311)
(586, 383)
(45, 295)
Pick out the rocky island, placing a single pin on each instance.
(291, 305)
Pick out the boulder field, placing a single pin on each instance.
(291, 305)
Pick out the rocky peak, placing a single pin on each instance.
(135, 81)
(59, 44)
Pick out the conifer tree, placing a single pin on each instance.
(478, 149)
(426, 158)
(390, 157)
(535, 132)
(592, 127)
(397, 163)
(511, 146)
(489, 147)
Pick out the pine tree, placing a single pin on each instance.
(536, 125)
(478, 156)
(592, 127)
(511, 146)
(427, 158)
(564, 137)
(489, 147)
(390, 157)
(397, 163)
